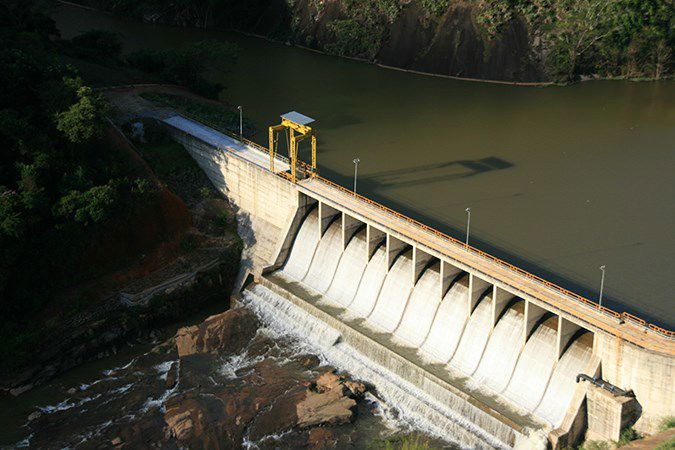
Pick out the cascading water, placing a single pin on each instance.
(421, 309)
(563, 381)
(501, 353)
(448, 325)
(474, 338)
(326, 259)
(303, 248)
(534, 367)
(350, 270)
(370, 286)
(415, 406)
(394, 295)
(500, 369)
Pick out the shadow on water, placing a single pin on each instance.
(432, 173)
(369, 186)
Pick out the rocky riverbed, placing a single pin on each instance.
(228, 382)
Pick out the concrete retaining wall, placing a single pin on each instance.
(265, 203)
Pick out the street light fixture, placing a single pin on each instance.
(241, 121)
(468, 224)
(356, 162)
(602, 286)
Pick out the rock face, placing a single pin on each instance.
(331, 402)
(228, 332)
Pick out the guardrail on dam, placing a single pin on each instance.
(498, 346)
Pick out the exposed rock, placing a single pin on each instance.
(224, 333)
(331, 402)
(321, 438)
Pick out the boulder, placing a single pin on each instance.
(224, 333)
(330, 402)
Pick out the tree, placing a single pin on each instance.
(84, 120)
(89, 207)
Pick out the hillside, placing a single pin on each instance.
(508, 40)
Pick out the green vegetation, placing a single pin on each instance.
(352, 39)
(401, 442)
(624, 38)
(188, 64)
(435, 7)
(667, 423)
(627, 435)
(62, 184)
(214, 113)
(668, 445)
(173, 165)
(569, 38)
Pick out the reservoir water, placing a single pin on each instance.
(560, 180)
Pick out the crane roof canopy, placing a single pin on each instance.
(298, 118)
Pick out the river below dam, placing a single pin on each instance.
(560, 180)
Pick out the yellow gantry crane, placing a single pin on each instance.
(293, 122)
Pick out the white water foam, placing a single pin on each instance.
(416, 407)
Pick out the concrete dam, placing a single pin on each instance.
(462, 344)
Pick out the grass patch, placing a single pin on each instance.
(627, 435)
(217, 115)
(407, 442)
(668, 445)
(667, 423)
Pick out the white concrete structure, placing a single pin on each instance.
(484, 320)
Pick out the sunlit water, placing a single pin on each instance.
(560, 180)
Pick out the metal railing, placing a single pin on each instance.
(307, 169)
(591, 304)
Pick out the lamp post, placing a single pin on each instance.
(468, 224)
(602, 286)
(356, 162)
(241, 121)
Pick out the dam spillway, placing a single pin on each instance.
(492, 346)
(441, 331)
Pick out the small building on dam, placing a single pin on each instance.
(465, 344)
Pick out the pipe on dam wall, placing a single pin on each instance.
(514, 360)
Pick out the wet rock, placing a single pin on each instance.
(224, 333)
(321, 438)
(171, 376)
(308, 361)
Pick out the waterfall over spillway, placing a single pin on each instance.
(415, 406)
(501, 353)
(326, 259)
(350, 270)
(534, 367)
(443, 334)
(394, 296)
(303, 248)
(563, 381)
(421, 309)
(448, 325)
(474, 339)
